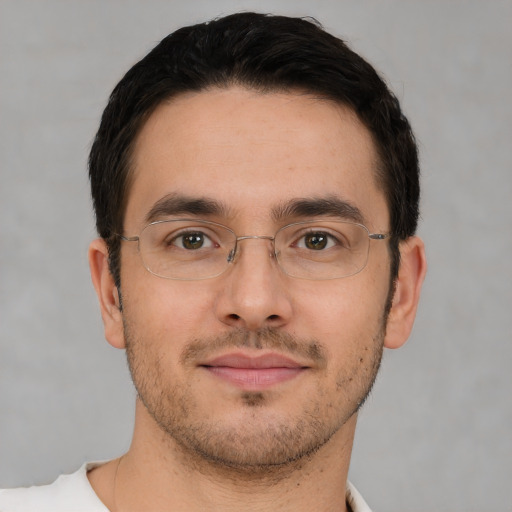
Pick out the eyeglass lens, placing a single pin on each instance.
(191, 249)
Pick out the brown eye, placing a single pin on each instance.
(316, 241)
(192, 241)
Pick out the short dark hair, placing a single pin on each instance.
(261, 52)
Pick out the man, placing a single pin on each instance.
(256, 193)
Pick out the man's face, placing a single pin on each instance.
(253, 367)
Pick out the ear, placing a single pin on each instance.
(107, 292)
(413, 267)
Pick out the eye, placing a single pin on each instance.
(192, 241)
(316, 241)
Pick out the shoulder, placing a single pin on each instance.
(69, 493)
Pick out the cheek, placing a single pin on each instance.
(350, 301)
(345, 315)
(159, 308)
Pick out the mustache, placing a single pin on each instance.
(265, 338)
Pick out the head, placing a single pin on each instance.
(256, 123)
(264, 53)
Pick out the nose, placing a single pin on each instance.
(253, 292)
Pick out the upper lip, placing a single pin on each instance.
(238, 360)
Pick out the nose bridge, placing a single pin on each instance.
(253, 295)
(249, 237)
(234, 255)
(255, 237)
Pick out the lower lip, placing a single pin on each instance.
(254, 378)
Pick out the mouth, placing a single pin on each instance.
(254, 373)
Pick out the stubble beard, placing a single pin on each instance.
(263, 444)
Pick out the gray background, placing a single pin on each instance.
(436, 433)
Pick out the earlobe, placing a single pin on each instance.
(108, 295)
(413, 267)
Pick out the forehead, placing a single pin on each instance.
(252, 152)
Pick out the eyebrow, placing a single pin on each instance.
(315, 207)
(177, 204)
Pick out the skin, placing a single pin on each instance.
(201, 442)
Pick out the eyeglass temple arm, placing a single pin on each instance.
(129, 238)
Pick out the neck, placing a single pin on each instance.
(157, 474)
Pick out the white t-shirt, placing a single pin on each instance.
(73, 493)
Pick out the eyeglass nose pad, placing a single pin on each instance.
(234, 252)
(231, 255)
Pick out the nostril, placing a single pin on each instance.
(273, 317)
(234, 316)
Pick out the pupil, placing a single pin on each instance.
(193, 241)
(316, 241)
